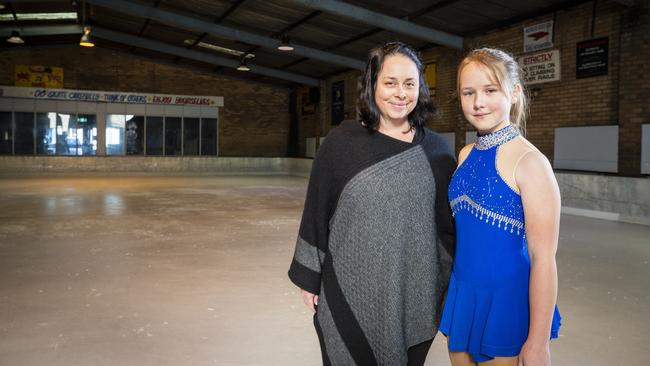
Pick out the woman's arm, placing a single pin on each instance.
(540, 196)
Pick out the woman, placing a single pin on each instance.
(501, 309)
(375, 244)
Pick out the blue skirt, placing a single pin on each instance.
(488, 321)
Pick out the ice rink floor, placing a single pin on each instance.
(192, 271)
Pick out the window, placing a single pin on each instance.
(173, 136)
(6, 134)
(154, 136)
(66, 143)
(135, 136)
(24, 133)
(115, 124)
(66, 134)
(191, 136)
(46, 137)
(61, 127)
(86, 134)
(209, 136)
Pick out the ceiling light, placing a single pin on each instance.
(38, 16)
(242, 65)
(15, 38)
(285, 45)
(86, 39)
(2, 6)
(214, 47)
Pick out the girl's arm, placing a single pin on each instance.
(541, 200)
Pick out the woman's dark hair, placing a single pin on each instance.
(366, 106)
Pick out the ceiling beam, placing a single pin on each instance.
(183, 52)
(288, 29)
(44, 30)
(220, 19)
(185, 22)
(146, 24)
(526, 16)
(298, 23)
(431, 8)
(198, 56)
(385, 22)
(628, 3)
(373, 31)
(229, 11)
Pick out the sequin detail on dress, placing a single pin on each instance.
(481, 190)
(497, 138)
(464, 202)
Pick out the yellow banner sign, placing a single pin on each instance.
(39, 76)
(430, 77)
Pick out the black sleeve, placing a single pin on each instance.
(443, 165)
(311, 245)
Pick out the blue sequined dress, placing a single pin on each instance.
(486, 312)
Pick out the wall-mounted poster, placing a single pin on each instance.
(430, 77)
(538, 37)
(39, 76)
(592, 57)
(338, 102)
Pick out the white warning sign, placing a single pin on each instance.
(540, 67)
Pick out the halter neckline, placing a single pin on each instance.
(497, 138)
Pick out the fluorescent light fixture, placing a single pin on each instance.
(38, 16)
(214, 47)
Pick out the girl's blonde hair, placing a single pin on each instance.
(507, 73)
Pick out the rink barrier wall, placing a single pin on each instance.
(599, 196)
(34, 166)
(605, 197)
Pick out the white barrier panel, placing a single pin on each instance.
(589, 148)
(645, 149)
(310, 147)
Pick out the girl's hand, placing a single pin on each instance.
(309, 299)
(535, 354)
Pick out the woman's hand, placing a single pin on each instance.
(309, 299)
(535, 354)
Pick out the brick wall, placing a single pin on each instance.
(620, 97)
(634, 84)
(253, 122)
(255, 118)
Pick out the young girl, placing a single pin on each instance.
(500, 307)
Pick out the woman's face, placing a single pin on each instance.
(485, 104)
(397, 89)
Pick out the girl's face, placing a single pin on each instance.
(485, 104)
(397, 89)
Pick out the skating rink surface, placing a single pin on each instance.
(176, 271)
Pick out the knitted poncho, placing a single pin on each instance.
(376, 243)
